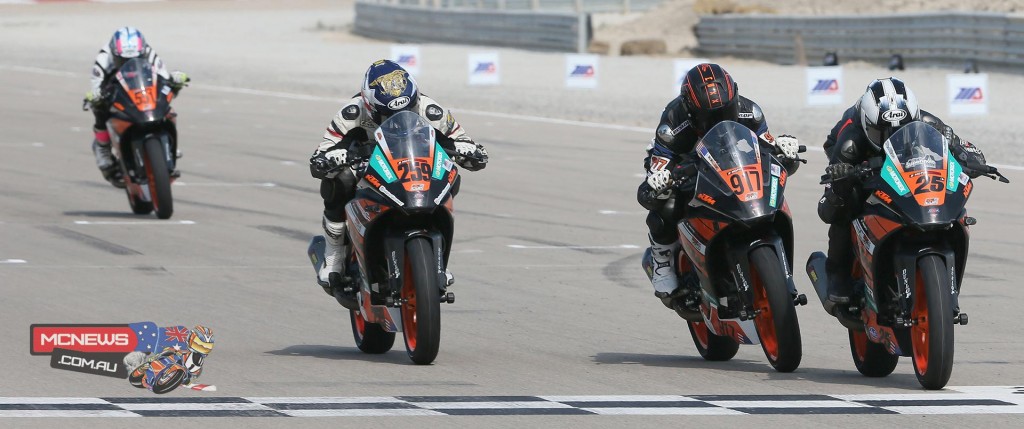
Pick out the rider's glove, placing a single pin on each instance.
(94, 97)
(324, 165)
(839, 171)
(473, 156)
(180, 79)
(787, 145)
(659, 181)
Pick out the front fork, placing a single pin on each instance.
(739, 259)
(394, 251)
(906, 274)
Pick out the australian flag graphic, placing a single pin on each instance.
(153, 339)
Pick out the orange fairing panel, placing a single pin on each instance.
(746, 182)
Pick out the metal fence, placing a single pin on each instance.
(554, 31)
(624, 6)
(993, 40)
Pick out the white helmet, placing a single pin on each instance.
(886, 106)
(127, 42)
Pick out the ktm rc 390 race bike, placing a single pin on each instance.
(400, 227)
(144, 136)
(737, 238)
(910, 239)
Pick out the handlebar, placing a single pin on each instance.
(867, 168)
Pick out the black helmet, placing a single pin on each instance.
(886, 106)
(710, 95)
(388, 89)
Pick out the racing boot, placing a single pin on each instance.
(335, 254)
(663, 275)
(105, 159)
(839, 263)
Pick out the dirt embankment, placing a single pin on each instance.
(672, 22)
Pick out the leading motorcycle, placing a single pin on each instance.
(910, 239)
(737, 239)
(400, 227)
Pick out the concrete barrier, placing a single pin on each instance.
(554, 31)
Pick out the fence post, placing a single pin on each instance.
(625, 6)
(534, 4)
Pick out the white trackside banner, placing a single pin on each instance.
(484, 69)
(407, 56)
(581, 71)
(679, 69)
(824, 86)
(967, 94)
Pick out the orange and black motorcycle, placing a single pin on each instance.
(737, 237)
(910, 239)
(400, 227)
(144, 136)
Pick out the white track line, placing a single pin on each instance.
(226, 184)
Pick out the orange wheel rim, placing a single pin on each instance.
(701, 332)
(360, 324)
(764, 321)
(409, 308)
(919, 332)
(860, 345)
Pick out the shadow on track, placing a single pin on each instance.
(396, 356)
(897, 380)
(127, 214)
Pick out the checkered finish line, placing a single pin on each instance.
(958, 400)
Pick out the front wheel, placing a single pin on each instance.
(710, 346)
(932, 333)
(159, 175)
(370, 337)
(776, 322)
(421, 302)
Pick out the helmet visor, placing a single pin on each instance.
(704, 119)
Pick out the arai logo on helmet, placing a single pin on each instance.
(398, 103)
(894, 115)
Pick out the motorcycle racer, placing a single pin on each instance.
(126, 43)
(885, 106)
(387, 89)
(707, 96)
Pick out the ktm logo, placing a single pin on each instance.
(706, 198)
(969, 95)
(883, 196)
(827, 86)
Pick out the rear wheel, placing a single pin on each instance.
(710, 346)
(932, 333)
(421, 302)
(370, 337)
(871, 358)
(776, 322)
(159, 175)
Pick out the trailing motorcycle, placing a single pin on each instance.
(910, 239)
(737, 239)
(144, 136)
(400, 227)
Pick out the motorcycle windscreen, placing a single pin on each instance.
(732, 170)
(410, 162)
(138, 87)
(920, 170)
